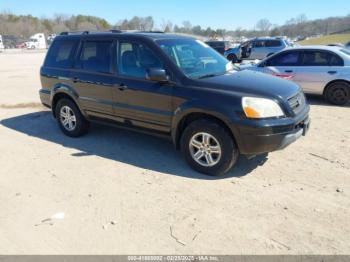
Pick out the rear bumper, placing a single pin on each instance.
(263, 138)
(45, 97)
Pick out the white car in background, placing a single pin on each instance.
(37, 41)
(321, 70)
(1, 44)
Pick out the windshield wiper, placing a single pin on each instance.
(208, 75)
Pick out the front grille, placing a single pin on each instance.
(297, 102)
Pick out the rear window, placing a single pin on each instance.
(96, 56)
(61, 53)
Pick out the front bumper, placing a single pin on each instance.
(264, 138)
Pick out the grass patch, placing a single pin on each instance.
(328, 39)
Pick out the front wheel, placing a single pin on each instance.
(338, 93)
(208, 147)
(70, 119)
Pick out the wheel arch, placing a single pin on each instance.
(332, 82)
(60, 95)
(190, 117)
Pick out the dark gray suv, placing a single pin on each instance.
(175, 86)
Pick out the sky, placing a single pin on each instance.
(227, 14)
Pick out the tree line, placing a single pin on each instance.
(27, 25)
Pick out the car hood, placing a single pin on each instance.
(251, 83)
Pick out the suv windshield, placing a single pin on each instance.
(195, 58)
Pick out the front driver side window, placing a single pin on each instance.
(135, 59)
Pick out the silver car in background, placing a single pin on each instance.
(321, 70)
(257, 48)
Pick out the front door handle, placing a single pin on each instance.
(75, 79)
(332, 72)
(288, 71)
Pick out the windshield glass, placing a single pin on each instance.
(195, 58)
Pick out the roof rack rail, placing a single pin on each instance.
(155, 32)
(116, 31)
(75, 33)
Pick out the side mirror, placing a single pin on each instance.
(157, 75)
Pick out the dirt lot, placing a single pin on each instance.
(128, 193)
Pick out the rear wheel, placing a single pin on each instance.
(232, 58)
(208, 147)
(70, 119)
(338, 93)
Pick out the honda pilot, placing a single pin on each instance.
(174, 86)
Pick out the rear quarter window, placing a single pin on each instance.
(61, 53)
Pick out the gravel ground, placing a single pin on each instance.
(121, 192)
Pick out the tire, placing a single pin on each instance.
(232, 58)
(219, 140)
(76, 125)
(338, 93)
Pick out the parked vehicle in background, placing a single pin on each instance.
(37, 41)
(220, 46)
(257, 48)
(21, 45)
(50, 39)
(10, 41)
(347, 45)
(1, 43)
(321, 70)
(174, 86)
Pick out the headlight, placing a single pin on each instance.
(255, 107)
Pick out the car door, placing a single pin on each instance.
(317, 69)
(284, 64)
(272, 46)
(258, 50)
(138, 101)
(93, 77)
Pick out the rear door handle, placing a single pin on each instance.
(121, 87)
(288, 71)
(332, 72)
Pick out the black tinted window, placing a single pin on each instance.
(135, 59)
(273, 43)
(284, 59)
(61, 53)
(321, 58)
(96, 56)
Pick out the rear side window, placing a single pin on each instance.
(321, 58)
(96, 56)
(273, 43)
(284, 59)
(61, 53)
